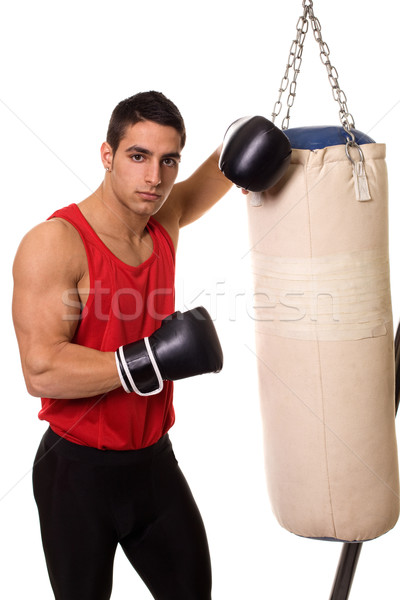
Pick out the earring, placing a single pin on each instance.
(107, 169)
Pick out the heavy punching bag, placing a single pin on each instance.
(324, 337)
(324, 330)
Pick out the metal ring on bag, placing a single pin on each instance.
(353, 144)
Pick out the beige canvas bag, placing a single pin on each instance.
(324, 337)
(324, 331)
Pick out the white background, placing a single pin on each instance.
(64, 66)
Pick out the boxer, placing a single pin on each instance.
(100, 343)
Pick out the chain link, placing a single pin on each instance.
(294, 62)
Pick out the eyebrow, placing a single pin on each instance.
(141, 150)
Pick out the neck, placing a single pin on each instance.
(111, 215)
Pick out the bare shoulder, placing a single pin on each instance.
(53, 245)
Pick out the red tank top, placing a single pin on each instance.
(125, 304)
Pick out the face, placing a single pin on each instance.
(144, 168)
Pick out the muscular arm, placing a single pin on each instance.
(191, 198)
(49, 263)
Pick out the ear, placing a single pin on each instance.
(106, 155)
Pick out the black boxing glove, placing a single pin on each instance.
(255, 154)
(186, 344)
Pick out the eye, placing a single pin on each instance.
(170, 162)
(137, 157)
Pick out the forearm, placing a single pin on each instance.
(70, 371)
(203, 189)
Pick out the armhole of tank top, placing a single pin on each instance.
(162, 232)
(86, 245)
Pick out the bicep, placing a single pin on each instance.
(46, 304)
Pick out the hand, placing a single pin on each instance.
(255, 153)
(186, 344)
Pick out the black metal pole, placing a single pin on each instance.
(345, 571)
(351, 551)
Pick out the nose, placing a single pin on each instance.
(153, 174)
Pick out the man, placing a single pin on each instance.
(94, 278)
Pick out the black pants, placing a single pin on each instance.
(91, 500)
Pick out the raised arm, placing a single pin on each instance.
(191, 198)
(49, 264)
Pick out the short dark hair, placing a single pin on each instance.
(144, 106)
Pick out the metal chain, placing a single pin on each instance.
(345, 116)
(295, 59)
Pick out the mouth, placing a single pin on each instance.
(149, 196)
